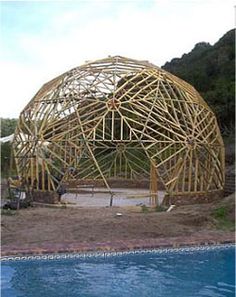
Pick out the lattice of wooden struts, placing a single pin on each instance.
(111, 119)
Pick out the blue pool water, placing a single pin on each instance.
(182, 273)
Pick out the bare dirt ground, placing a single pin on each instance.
(39, 225)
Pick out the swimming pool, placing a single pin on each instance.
(184, 272)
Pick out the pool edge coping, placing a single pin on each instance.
(68, 256)
(119, 246)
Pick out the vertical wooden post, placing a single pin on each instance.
(37, 172)
(31, 171)
(11, 163)
(43, 175)
(153, 184)
(222, 161)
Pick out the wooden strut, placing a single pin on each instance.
(120, 118)
(153, 184)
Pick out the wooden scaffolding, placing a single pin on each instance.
(120, 118)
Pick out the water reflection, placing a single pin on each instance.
(200, 273)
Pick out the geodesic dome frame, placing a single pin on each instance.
(119, 118)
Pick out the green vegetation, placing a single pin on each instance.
(222, 217)
(210, 69)
(7, 128)
(144, 208)
(8, 212)
(160, 208)
(220, 213)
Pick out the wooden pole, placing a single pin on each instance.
(153, 184)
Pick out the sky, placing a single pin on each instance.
(40, 40)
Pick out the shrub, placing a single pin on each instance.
(222, 220)
(144, 208)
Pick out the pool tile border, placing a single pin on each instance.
(104, 255)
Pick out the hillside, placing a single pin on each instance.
(210, 69)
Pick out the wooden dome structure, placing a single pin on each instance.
(120, 118)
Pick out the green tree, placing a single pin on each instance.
(7, 128)
(210, 69)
